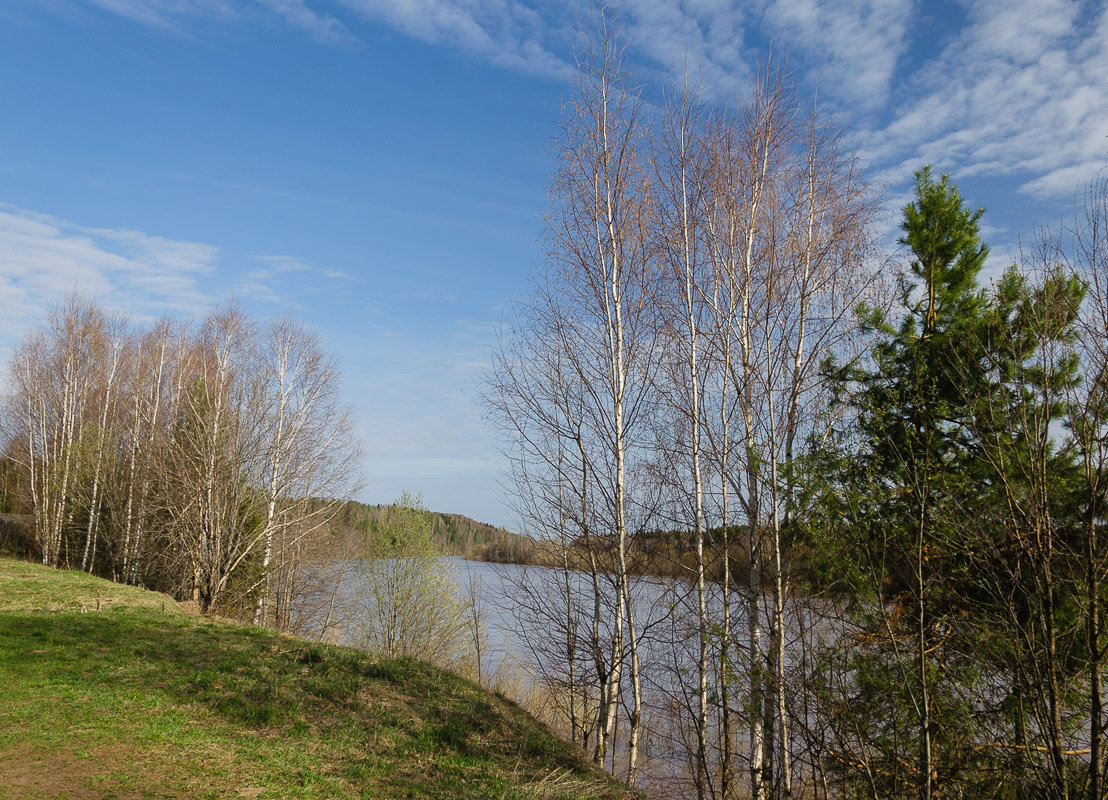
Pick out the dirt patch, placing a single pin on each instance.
(190, 607)
(27, 772)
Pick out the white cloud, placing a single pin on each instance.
(504, 32)
(1017, 30)
(850, 48)
(44, 258)
(706, 36)
(1065, 180)
(847, 49)
(1023, 91)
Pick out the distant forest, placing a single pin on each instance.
(453, 534)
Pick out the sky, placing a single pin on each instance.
(379, 167)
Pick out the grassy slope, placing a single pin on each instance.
(139, 700)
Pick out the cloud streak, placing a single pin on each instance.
(46, 258)
(504, 32)
(179, 16)
(168, 14)
(1023, 92)
(322, 28)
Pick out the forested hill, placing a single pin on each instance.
(453, 534)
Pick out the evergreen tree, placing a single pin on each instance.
(953, 486)
(1020, 520)
(899, 488)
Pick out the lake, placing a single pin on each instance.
(524, 626)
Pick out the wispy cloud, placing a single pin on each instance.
(180, 15)
(46, 257)
(1023, 91)
(168, 14)
(849, 48)
(323, 28)
(287, 264)
(278, 279)
(508, 33)
(706, 37)
(504, 32)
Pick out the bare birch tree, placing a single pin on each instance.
(154, 370)
(540, 410)
(53, 390)
(599, 237)
(678, 153)
(207, 493)
(587, 396)
(308, 453)
(105, 378)
(787, 221)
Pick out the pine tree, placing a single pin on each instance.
(954, 484)
(901, 485)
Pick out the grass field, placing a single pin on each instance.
(107, 691)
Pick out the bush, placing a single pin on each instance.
(410, 593)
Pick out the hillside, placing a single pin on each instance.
(111, 691)
(454, 534)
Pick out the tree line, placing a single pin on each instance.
(213, 461)
(195, 459)
(909, 465)
(451, 534)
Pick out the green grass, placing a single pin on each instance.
(139, 700)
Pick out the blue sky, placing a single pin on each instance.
(379, 166)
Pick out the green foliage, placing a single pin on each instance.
(947, 255)
(939, 509)
(403, 532)
(410, 592)
(453, 534)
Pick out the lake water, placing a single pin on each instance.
(523, 619)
